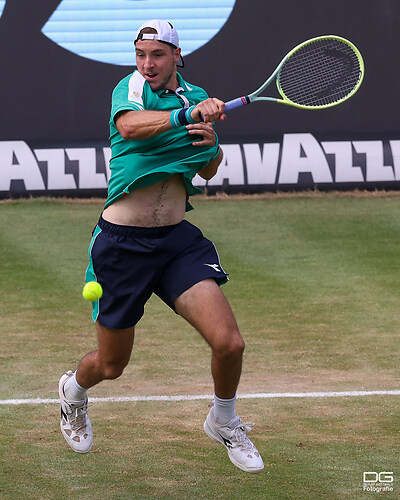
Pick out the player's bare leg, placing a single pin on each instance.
(107, 362)
(110, 358)
(205, 307)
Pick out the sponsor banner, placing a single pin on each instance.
(299, 161)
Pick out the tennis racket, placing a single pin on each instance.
(317, 74)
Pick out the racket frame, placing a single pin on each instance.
(255, 96)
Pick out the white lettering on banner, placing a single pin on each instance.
(345, 171)
(199, 181)
(107, 158)
(395, 147)
(56, 176)
(312, 160)
(24, 167)
(261, 168)
(88, 177)
(376, 170)
(266, 164)
(231, 167)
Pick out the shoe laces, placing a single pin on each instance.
(239, 433)
(77, 416)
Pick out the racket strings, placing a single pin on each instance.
(320, 73)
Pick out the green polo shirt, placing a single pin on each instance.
(141, 162)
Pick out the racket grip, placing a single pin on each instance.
(236, 103)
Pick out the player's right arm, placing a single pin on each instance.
(144, 124)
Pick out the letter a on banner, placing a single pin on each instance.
(303, 153)
(19, 163)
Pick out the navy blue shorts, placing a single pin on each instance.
(131, 263)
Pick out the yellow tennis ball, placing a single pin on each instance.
(92, 291)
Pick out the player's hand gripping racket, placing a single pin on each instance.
(318, 73)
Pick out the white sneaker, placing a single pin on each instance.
(241, 450)
(75, 424)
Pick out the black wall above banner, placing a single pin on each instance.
(55, 100)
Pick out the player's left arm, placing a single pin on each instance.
(207, 138)
(211, 169)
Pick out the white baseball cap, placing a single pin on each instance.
(165, 33)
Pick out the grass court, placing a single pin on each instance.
(315, 287)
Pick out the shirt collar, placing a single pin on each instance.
(182, 83)
(182, 86)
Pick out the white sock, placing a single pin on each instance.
(73, 391)
(224, 410)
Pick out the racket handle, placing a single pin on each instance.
(236, 103)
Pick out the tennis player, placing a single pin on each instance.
(161, 135)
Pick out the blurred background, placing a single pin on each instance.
(61, 60)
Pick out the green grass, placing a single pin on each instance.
(314, 284)
(312, 450)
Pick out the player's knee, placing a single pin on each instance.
(231, 348)
(113, 371)
(238, 346)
